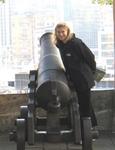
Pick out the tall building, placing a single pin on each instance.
(5, 32)
(94, 25)
(21, 27)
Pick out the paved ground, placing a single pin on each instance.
(105, 142)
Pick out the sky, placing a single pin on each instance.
(26, 5)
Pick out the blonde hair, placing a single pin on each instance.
(64, 25)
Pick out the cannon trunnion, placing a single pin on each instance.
(49, 91)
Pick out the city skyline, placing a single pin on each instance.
(21, 52)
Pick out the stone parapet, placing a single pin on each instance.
(103, 102)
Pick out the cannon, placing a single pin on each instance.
(50, 90)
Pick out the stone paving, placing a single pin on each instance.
(105, 142)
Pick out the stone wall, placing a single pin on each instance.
(102, 100)
(104, 105)
(10, 109)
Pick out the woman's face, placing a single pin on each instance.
(62, 33)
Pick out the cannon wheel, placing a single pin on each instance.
(20, 136)
(24, 115)
(75, 118)
(24, 112)
(86, 134)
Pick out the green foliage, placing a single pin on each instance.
(3, 1)
(102, 2)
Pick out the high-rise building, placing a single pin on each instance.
(5, 33)
(21, 27)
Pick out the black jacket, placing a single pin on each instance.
(79, 62)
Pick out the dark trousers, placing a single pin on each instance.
(85, 106)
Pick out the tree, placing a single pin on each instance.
(102, 2)
(3, 1)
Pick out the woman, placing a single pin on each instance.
(80, 65)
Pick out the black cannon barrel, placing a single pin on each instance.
(51, 79)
